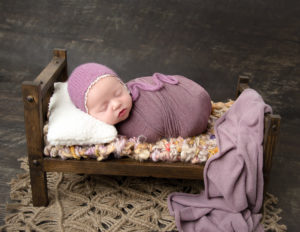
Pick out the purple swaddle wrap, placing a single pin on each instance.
(233, 178)
(166, 106)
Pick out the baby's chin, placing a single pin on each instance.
(120, 120)
(114, 122)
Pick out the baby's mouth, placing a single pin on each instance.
(122, 113)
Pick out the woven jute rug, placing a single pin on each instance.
(105, 203)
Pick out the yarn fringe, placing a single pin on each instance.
(271, 214)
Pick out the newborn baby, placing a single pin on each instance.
(155, 107)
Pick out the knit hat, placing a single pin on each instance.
(82, 79)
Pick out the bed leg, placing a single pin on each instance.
(38, 179)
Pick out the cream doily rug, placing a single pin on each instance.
(105, 203)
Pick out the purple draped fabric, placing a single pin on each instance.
(233, 178)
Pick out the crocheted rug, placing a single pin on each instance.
(105, 203)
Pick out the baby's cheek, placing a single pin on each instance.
(129, 100)
(98, 116)
(102, 117)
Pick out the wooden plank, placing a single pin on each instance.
(126, 167)
(271, 134)
(60, 73)
(51, 73)
(62, 53)
(35, 143)
(32, 116)
(58, 52)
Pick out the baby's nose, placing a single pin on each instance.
(116, 104)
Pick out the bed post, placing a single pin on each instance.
(34, 134)
(243, 83)
(36, 95)
(271, 134)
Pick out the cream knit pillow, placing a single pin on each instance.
(71, 126)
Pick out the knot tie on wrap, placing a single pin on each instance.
(158, 79)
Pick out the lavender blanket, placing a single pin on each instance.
(233, 178)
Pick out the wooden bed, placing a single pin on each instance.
(36, 95)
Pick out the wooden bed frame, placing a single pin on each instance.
(36, 95)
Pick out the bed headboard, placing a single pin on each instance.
(36, 96)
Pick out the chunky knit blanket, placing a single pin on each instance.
(195, 149)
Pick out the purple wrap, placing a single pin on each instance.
(166, 106)
(233, 178)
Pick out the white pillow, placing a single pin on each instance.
(70, 126)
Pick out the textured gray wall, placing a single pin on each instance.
(208, 41)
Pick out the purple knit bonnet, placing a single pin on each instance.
(83, 78)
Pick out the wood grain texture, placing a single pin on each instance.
(34, 122)
(126, 167)
(271, 130)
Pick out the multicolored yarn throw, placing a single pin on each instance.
(195, 149)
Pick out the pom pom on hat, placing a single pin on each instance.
(82, 78)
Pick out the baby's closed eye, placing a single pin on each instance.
(118, 92)
(103, 106)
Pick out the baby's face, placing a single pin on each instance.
(109, 101)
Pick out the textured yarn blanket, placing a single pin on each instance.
(233, 178)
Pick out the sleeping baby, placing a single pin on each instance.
(154, 107)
